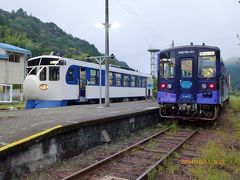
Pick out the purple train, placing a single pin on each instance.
(193, 83)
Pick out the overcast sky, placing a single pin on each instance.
(144, 24)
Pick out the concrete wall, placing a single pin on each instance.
(72, 140)
(3, 76)
(15, 72)
(11, 72)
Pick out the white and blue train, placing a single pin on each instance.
(54, 81)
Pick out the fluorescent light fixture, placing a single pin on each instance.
(115, 25)
(99, 25)
(53, 62)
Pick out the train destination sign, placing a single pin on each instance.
(207, 53)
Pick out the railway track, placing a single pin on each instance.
(138, 160)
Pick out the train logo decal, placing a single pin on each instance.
(186, 84)
(186, 52)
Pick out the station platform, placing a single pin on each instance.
(21, 126)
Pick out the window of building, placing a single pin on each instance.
(14, 58)
(126, 80)
(43, 74)
(207, 66)
(54, 73)
(94, 77)
(118, 79)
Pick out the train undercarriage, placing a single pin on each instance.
(190, 112)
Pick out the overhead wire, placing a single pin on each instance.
(138, 18)
(125, 5)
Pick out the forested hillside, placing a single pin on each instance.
(23, 30)
(233, 67)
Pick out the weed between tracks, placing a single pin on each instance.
(168, 167)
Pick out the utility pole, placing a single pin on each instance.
(106, 54)
(100, 60)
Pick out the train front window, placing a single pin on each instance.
(33, 62)
(167, 66)
(207, 66)
(32, 71)
(43, 74)
(186, 68)
(54, 73)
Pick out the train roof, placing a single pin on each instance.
(192, 46)
(93, 65)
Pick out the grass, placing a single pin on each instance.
(152, 144)
(235, 103)
(235, 123)
(220, 162)
(14, 105)
(222, 156)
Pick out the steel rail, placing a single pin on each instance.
(92, 168)
(144, 175)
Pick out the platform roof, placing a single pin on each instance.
(3, 56)
(15, 49)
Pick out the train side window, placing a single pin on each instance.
(133, 81)
(186, 68)
(125, 80)
(110, 78)
(144, 82)
(43, 74)
(94, 77)
(70, 74)
(138, 81)
(54, 73)
(118, 79)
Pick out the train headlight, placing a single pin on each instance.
(212, 85)
(169, 86)
(43, 86)
(204, 86)
(162, 86)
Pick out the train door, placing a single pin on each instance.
(82, 84)
(186, 81)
